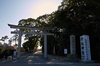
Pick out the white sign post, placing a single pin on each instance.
(85, 48)
(65, 51)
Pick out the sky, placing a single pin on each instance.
(12, 11)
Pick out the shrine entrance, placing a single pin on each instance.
(20, 32)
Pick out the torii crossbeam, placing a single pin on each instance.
(20, 32)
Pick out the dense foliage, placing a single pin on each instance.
(31, 43)
(79, 17)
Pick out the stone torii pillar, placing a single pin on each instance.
(19, 43)
(45, 44)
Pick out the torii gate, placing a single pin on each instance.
(20, 32)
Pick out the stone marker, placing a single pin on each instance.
(72, 45)
(85, 48)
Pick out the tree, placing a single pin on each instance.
(45, 20)
(78, 17)
(10, 41)
(31, 43)
(15, 38)
(31, 23)
(26, 45)
(4, 38)
(0, 44)
(33, 40)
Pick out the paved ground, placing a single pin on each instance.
(36, 59)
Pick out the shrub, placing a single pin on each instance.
(3, 51)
